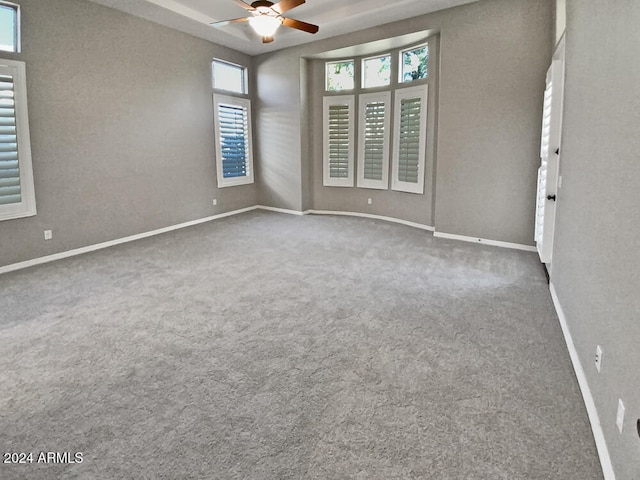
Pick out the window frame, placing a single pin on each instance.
(27, 206)
(421, 91)
(363, 101)
(222, 99)
(245, 77)
(328, 101)
(17, 32)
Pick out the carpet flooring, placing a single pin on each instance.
(268, 346)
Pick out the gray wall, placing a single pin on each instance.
(121, 128)
(596, 253)
(493, 58)
(278, 114)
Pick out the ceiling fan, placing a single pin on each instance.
(266, 17)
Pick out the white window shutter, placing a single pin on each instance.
(339, 130)
(233, 145)
(410, 134)
(373, 140)
(9, 168)
(17, 196)
(233, 139)
(549, 157)
(544, 163)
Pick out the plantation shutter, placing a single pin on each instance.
(232, 116)
(233, 139)
(544, 156)
(339, 141)
(410, 140)
(374, 140)
(10, 190)
(548, 172)
(409, 154)
(339, 128)
(17, 195)
(373, 146)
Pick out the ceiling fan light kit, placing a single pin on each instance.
(265, 25)
(267, 17)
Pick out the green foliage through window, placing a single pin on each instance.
(377, 71)
(414, 64)
(340, 75)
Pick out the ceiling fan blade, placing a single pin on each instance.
(284, 5)
(298, 25)
(244, 5)
(227, 22)
(267, 39)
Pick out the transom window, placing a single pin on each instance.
(340, 75)
(376, 71)
(9, 27)
(414, 63)
(229, 77)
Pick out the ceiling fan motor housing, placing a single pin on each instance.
(262, 3)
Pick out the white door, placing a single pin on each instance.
(550, 157)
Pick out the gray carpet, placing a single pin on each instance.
(267, 346)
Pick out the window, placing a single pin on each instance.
(391, 121)
(376, 71)
(409, 142)
(373, 140)
(17, 196)
(338, 140)
(229, 77)
(234, 152)
(340, 75)
(414, 64)
(232, 119)
(9, 27)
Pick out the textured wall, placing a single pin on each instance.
(597, 252)
(121, 128)
(278, 122)
(494, 56)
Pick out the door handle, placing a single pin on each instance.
(551, 197)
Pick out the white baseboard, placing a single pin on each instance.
(118, 241)
(484, 241)
(368, 215)
(592, 412)
(281, 210)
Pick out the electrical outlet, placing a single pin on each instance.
(620, 415)
(369, 201)
(598, 358)
(48, 234)
(215, 202)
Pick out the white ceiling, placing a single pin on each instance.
(335, 17)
